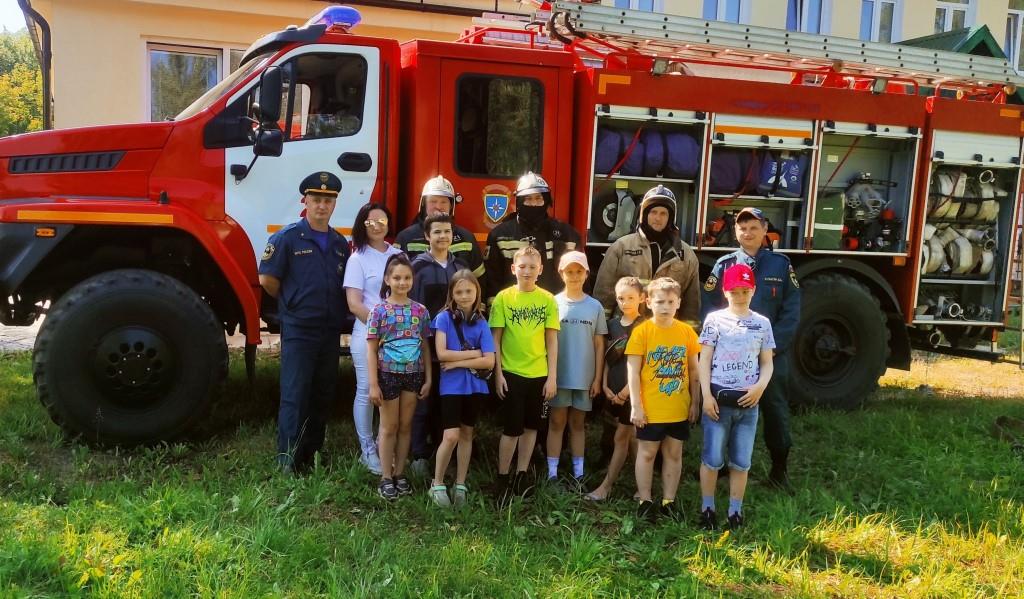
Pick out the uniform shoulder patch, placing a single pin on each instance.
(792, 278)
(711, 283)
(268, 252)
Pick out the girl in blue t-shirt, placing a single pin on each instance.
(465, 350)
(398, 370)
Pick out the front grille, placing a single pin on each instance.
(64, 163)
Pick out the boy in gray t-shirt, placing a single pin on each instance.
(735, 367)
(580, 362)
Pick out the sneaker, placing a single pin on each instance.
(439, 495)
(708, 519)
(403, 486)
(371, 461)
(387, 489)
(735, 521)
(420, 467)
(459, 495)
(646, 511)
(521, 486)
(503, 489)
(669, 510)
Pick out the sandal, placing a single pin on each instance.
(439, 495)
(592, 496)
(459, 493)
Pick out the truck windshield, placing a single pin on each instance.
(221, 88)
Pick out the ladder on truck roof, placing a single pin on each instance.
(602, 34)
(683, 38)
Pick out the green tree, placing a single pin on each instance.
(21, 102)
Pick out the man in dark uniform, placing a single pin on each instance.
(303, 267)
(777, 297)
(531, 225)
(438, 197)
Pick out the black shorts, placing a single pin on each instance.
(622, 413)
(461, 410)
(523, 406)
(658, 431)
(393, 383)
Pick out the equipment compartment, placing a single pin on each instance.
(760, 162)
(635, 150)
(865, 186)
(966, 243)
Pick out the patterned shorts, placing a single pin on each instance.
(393, 383)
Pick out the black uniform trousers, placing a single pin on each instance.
(775, 407)
(309, 375)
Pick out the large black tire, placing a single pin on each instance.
(841, 345)
(129, 357)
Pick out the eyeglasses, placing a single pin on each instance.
(380, 222)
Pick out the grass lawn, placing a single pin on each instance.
(911, 496)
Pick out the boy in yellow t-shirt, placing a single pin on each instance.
(661, 368)
(524, 322)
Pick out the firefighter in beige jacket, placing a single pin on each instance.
(655, 250)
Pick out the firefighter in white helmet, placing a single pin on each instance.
(438, 196)
(531, 225)
(654, 250)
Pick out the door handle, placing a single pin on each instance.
(355, 161)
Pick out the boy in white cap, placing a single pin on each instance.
(580, 362)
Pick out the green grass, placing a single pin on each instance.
(910, 496)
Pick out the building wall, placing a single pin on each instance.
(100, 60)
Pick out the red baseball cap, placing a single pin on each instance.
(738, 275)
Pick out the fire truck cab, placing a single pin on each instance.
(141, 242)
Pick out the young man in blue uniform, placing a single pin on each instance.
(777, 297)
(303, 267)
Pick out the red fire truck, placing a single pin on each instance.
(890, 176)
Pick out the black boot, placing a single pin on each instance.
(778, 477)
(503, 489)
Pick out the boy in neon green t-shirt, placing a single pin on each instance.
(524, 322)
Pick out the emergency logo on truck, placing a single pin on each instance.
(496, 206)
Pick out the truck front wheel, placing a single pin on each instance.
(841, 345)
(129, 357)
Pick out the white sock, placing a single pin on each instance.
(552, 467)
(577, 466)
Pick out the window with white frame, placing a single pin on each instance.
(179, 74)
(954, 14)
(1012, 43)
(648, 5)
(881, 20)
(732, 11)
(809, 16)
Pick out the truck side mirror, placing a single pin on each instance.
(270, 96)
(269, 142)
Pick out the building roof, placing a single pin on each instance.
(977, 41)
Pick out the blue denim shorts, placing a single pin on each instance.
(735, 429)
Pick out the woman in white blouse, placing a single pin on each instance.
(364, 274)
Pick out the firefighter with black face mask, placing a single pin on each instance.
(531, 225)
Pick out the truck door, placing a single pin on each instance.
(330, 118)
(503, 123)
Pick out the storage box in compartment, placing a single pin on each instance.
(784, 218)
(873, 178)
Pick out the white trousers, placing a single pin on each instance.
(362, 409)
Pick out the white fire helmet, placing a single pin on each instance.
(532, 183)
(437, 186)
